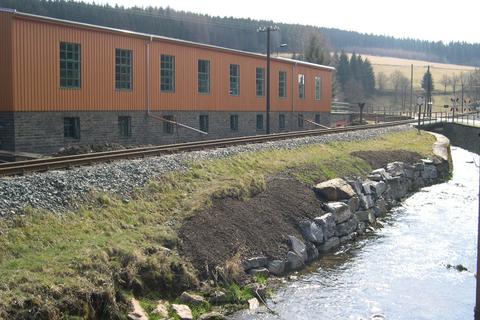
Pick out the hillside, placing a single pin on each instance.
(241, 33)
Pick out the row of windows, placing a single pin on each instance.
(70, 74)
(71, 125)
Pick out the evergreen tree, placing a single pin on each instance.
(343, 69)
(368, 77)
(427, 84)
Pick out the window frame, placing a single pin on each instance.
(234, 122)
(126, 63)
(65, 61)
(301, 86)
(284, 82)
(259, 120)
(260, 82)
(234, 80)
(73, 127)
(167, 73)
(281, 121)
(300, 120)
(168, 127)
(122, 120)
(318, 88)
(203, 125)
(205, 74)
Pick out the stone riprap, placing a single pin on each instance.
(348, 217)
(63, 190)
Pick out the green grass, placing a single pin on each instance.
(72, 254)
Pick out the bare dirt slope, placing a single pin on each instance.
(255, 226)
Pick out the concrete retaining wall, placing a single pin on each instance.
(466, 137)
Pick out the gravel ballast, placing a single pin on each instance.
(62, 190)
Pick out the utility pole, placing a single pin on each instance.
(411, 90)
(477, 292)
(268, 30)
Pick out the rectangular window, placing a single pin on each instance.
(168, 126)
(234, 122)
(125, 126)
(317, 118)
(70, 65)
(301, 86)
(204, 123)
(260, 82)
(167, 73)
(282, 84)
(281, 121)
(234, 80)
(203, 76)
(71, 127)
(318, 88)
(123, 69)
(300, 120)
(259, 121)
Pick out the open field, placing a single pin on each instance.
(388, 65)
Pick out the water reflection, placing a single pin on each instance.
(400, 272)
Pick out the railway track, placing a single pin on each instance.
(66, 162)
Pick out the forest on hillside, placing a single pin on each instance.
(241, 34)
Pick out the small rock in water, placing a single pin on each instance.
(458, 267)
(378, 316)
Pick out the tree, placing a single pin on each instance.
(316, 51)
(399, 85)
(427, 84)
(343, 69)
(381, 81)
(367, 76)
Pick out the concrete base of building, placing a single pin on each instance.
(43, 132)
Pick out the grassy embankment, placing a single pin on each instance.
(112, 248)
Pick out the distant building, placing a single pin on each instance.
(68, 83)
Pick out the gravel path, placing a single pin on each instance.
(61, 190)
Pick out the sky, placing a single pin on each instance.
(439, 20)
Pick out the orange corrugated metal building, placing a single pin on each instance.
(63, 82)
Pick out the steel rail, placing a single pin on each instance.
(65, 162)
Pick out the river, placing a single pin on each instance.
(400, 271)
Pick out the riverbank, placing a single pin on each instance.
(90, 262)
(401, 271)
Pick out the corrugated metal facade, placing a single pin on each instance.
(36, 73)
(6, 103)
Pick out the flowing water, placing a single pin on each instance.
(401, 271)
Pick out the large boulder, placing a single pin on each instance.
(259, 272)
(312, 252)
(277, 267)
(353, 203)
(366, 216)
(382, 172)
(255, 262)
(396, 169)
(366, 201)
(190, 298)
(429, 172)
(341, 211)
(294, 261)
(380, 208)
(183, 311)
(379, 188)
(347, 227)
(328, 225)
(329, 245)
(311, 231)
(298, 247)
(334, 190)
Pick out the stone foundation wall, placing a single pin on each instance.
(353, 207)
(43, 132)
(7, 131)
(464, 136)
